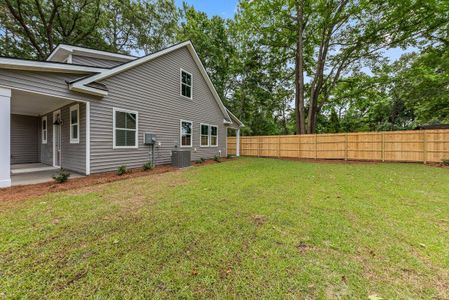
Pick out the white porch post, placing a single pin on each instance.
(5, 137)
(87, 138)
(237, 146)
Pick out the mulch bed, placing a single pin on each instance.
(21, 192)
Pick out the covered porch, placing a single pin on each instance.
(41, 134)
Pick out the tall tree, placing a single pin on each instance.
(336, 37)
(33, 28)
(157, 24)
(36, 27)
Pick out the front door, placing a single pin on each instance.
(57, 138)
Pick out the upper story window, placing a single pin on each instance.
(44, 130)
(186, 84)
(74, 124)
(125, 128)
(186, 133)
(213, 135)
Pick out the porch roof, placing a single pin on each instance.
(40, 104)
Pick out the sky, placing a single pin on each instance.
(222, 8)
(227, 8)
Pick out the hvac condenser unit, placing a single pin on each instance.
(181, 158)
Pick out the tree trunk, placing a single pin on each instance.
(299, 70)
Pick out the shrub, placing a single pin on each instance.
(148, 166)
(61, 176)
(217, 158)
(199, 161)
(202, 159)
(229, 156)
(445, 162)
(121, 170)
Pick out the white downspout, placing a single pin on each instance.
(5, 136)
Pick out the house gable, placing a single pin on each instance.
(83, 84)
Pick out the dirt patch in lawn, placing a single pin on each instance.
(21, 192)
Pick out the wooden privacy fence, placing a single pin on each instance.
(414, 145)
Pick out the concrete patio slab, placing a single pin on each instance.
(37, 177)
(31, 167)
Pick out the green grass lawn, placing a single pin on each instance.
(249, 228)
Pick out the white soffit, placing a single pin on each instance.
(30, 104)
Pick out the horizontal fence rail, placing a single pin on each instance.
(413, 145)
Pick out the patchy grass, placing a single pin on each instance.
(249, 228)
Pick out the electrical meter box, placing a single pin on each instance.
(149, 138)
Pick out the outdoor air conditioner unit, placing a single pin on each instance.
(149, 138)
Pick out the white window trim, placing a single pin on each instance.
(210, 135)
(180, 84)
(116, 109)
(180, 134)
(73, 108)
(44, 141)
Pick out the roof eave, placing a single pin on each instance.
(44, 66)
(237, 121)
(88, 90)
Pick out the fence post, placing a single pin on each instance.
(258, 146)
(299, 146)
(346, 146)
(279, 146)
(383, 146)
(316, 146)
(425, 146)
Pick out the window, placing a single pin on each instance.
(74, 124)
(44, 130)
(204, 135)
(125, 128)
(214, 136)
(186, 84)
(186, 134)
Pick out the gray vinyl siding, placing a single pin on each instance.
(42, 82)
(153, 90)
(73, 156)
(94, 62)
(24, 139)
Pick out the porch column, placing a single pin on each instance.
(5, 137)
(237, 140)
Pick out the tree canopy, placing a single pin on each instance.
(282, 66)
